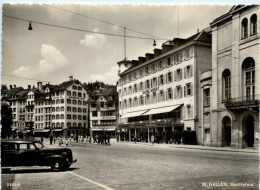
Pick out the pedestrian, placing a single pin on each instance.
(108, 139)
(41, 138)
(77, 137)
(59, 140)
(51, 138)
(152, 138)
(135, 138)
(66, 141)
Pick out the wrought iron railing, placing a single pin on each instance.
(244, 100)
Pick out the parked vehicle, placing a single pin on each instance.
(17, 152)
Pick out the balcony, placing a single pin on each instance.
(244, 102)
(107, 117)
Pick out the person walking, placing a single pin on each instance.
(51, 138)
(152, 138)
(135, 138)
(108, 140)
(59, 140)
(66, 141)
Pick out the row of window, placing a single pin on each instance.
(75, 94)
(74, 109)
(178, 74)
(69, 116)
(158, 81)
(253, 26)
(161, 96)
(248, 68)
(58, 125)
(102, 105)
(103, 123)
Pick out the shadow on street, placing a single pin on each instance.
(34, 170)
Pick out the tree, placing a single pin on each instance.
(6, 121)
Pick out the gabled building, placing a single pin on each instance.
(103, 111)
(160, 92)
(60, 109)
(231, 89)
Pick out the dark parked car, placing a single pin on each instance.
(17, 152)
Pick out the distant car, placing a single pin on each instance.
(17, 152)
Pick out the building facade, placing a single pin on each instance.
(160, 92)
(103, 112)
(60, 109)
(232, 116)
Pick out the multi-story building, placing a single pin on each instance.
(61, 109)
(231, 110)
(160, 92)
(69, 108)
(103, 111)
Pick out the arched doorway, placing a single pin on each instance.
(248, 130)
(227, 130)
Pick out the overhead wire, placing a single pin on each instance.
(106, 22)
(38, 80)
(78, 29)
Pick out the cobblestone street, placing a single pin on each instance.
(135, 166)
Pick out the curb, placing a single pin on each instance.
(199, 148)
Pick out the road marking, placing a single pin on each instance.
(91, 181)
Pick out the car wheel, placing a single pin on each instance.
(57, 165)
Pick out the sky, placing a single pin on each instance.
(51, 54)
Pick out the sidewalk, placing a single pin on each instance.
(199, 147)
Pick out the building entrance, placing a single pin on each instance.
(248, 126)
(227, 130)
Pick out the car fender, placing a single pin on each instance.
(49, 159)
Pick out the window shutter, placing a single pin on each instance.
(184, 91)
(191, 89)
(180, 74)
(185, 72)
(175, 75)
(181, 91)
(166, 78)
(191, 111)
(191, 70)
(158, 81)
(175, 93)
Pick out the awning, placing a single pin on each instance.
(162, 109)
(103, 129)
(41, 130)
(134, 114)
(57, 130)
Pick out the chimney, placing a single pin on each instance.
(198, 30)
(71, 78)
(29, 87)
(40, 86)
(11, 87)
(14, 85)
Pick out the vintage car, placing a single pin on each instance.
(19, 152)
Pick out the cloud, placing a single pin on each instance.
(93, 40)
(109, 77)
(52, 61)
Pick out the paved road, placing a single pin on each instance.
(134, 166)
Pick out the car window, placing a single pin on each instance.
(9, 146)
(27, 147)
(39, 145)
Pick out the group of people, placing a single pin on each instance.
(102, 139)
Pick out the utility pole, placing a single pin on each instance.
(124, 44)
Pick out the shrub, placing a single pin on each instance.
(189, 137)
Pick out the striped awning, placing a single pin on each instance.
(134, 114)
(162, 109)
